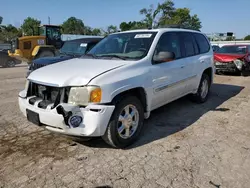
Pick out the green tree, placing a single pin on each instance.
(166, 14)
(30, 26)
(247, 37)
(73, 26)
(11, 28)
(111, 29)
(181, 16)
(125, 26)
(87, 30)
(153, 17)
(9, 32)
(1, 19)
(96, 32)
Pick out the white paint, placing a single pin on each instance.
(73, 72)
(222, 43)
(162, 83)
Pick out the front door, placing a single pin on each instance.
(168, 77)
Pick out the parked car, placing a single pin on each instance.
(70, 49)
(114, 87)
(6, 60)
(233, 58)
(215, 48)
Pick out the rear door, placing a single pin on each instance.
(205, 57)
(190, 52)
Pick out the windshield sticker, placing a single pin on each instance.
(143, 36)
(83, 44)
(242, 47)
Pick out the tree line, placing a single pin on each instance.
(163, 14)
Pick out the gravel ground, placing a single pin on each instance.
(182, 145)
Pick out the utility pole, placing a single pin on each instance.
(49, 20)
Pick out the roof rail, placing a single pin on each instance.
(179, 26)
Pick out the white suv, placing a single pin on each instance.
(111, 90)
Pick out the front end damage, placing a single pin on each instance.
(47, 106)
(231, 64)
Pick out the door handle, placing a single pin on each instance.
(202, 61)
(182, 66)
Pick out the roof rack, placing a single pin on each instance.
(179, 26)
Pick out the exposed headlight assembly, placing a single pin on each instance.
(82, 96)
(239, 64)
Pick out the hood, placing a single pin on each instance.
(74, 72)
(51, 60)
(225, 58)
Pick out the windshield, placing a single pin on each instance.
(233, 49)
(133, 46)
(74, 48)
(42, 31)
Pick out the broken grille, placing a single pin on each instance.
(47, 95)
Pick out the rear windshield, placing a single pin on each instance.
(75, 48)
(233, 49)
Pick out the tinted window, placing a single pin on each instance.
(169, 42)
(202, 43)
(233, 49)
(27, 45)
(188, 44)
(91, 45)
(74, 47)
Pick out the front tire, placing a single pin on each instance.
(203, 91)
(126, 123)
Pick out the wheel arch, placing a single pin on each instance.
(209, 71)
(138, 92)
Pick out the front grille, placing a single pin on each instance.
(35, 66)
(47, 95)
(226, 65)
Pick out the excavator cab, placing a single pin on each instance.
(52, 34)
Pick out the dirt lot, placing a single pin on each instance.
(182, 145)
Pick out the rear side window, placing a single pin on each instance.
(202, 42)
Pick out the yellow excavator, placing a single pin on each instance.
(45, 44)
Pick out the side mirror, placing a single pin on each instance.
(163, 57)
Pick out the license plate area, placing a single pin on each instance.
(33, 117)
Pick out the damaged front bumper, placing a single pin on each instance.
(233, 66)
(94, 118)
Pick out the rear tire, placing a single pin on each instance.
(125, 124)
(45, 53)
(203, 91)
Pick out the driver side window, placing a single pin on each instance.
(169, 42)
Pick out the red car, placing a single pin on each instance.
(233, 58)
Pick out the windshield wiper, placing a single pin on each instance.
(91, 55)
(116, 56)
